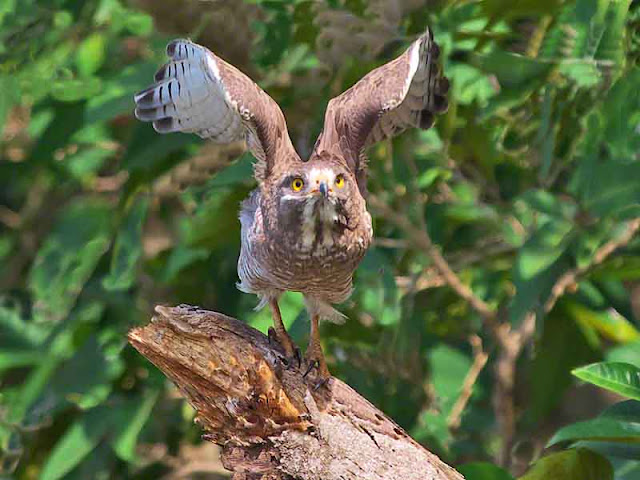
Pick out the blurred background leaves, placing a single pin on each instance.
(530, 183)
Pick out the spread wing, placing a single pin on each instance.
(197, 92)
(406, 92)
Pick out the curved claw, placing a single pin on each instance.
(314, 364)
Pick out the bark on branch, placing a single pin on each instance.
(271, 425)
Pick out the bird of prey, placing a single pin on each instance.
(306, 226)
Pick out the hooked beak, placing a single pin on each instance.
(324, 190)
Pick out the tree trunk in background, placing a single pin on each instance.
(269, 423)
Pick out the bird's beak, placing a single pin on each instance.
(323, 189)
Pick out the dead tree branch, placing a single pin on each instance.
(271, 425)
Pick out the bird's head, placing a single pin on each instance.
(315, 197)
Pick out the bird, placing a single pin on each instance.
(305, 227)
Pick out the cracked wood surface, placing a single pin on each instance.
(270, 424)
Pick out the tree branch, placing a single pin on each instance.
(271, 425)
(570, 277)
(515, 340)
(480, 358)
(422, 240)
(510, 341)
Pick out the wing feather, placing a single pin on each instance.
(197, 92)
(404, 93)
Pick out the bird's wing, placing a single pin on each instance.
(406, 92)
(197, 92)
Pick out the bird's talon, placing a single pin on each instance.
(272, 336)
(321, 383)
(297, 356)
(312, 365)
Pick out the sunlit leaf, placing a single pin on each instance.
(609, 324)
(139, 23)
(91, 54)
(621, 378)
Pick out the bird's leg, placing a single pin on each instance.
(314, 356)
(281, 332)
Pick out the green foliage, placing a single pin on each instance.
(533, 173)
(578, 464)
(483, 471)
(614, 434)
(621, 378)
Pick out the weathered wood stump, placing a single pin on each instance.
(269, 421)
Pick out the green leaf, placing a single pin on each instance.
(611, 46)
(128, 248)
(483, 471)
(599, 429)
(543, 248)
(629, 353)
(583, 74)
(621, 378)
(620, 423)
(627, 469)
(552, 205)
(540, 261)
(124, 443)
(19, 358)
(575, 464)
(507, 8)
(513, 71)
(625, 450)
(76, 89)
(86, 379)
(139, 23)
(448, 370)
(610, 324)
(7, 7)
(469, 84)
(91, 54)
(10, 95)
(552, 364)
(58, 348)
(68, 257)
(620, 107)
(76, 444)
(430, 175)
(181, 257)
(19, 332)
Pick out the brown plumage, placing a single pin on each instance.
(305, 227)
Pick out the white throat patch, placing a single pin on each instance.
(318, 211)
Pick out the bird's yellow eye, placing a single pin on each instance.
(297, 184)
(339, 181)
